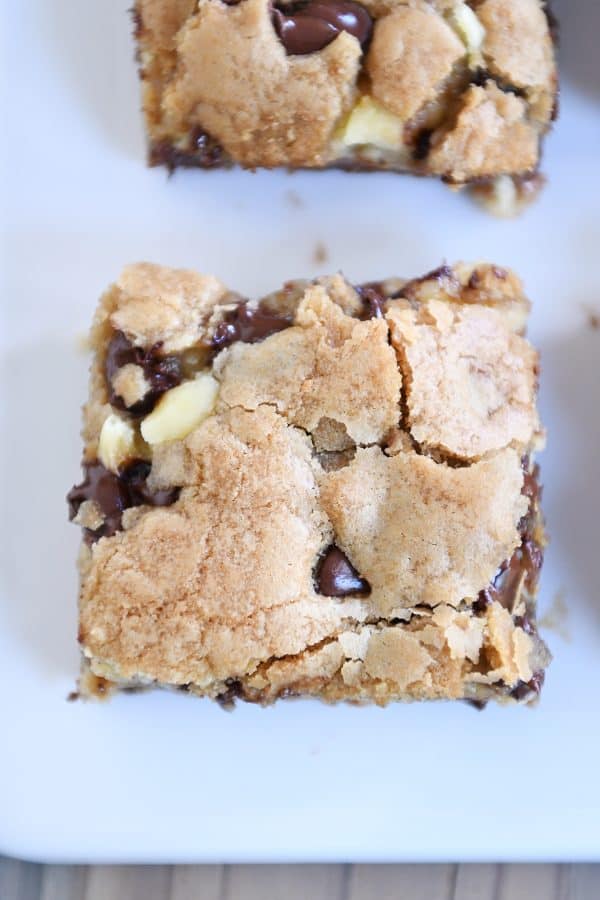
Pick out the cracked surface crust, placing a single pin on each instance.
(467, 89)
(405, 440)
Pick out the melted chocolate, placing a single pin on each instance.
(442, 274)
(115, 493)
(527, 558)
(337, 577)
(373, 298)
(528, 689)
(204, 152)
(234, 691)
(308, 27)
(531, 485)
(161, 372)
(108, 490)
(135, 475)
(248, 324)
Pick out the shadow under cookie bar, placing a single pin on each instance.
(329, 492)
(461, 91)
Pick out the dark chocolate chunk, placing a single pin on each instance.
(337, 577)
(248, 324)
(373, 298)
(108, 490)
(161, 372)
(135, 476)
(474, 280)
(529, 689)
(480, 76)
(309, 26)
(115, 493)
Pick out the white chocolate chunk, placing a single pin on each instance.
(371, 123)
(503, 199)
(116, 443)
(468, 27)
(181, 410)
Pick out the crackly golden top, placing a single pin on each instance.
(398, 439)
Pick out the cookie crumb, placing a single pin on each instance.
(293, 198)
(82, 343)
(320, 253)
(556, 617)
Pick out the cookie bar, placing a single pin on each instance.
(460, 90)
(331, 491)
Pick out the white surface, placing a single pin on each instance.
(163, 777)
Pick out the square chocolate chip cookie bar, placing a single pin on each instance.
(460, 90)
(329, 492)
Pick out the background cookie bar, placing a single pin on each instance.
(461, 90)
(328, 492)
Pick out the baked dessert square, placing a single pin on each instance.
(464, 91)
(329, 492)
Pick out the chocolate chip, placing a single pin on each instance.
(106, 489)
(373, 298)
(135, 476)
(161, 372)
(529, 689)
(422, 144)
(248, 324)
(483, 601)
(337, 577)
(308, 27)
(114, 493)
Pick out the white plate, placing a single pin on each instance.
(162, 777)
